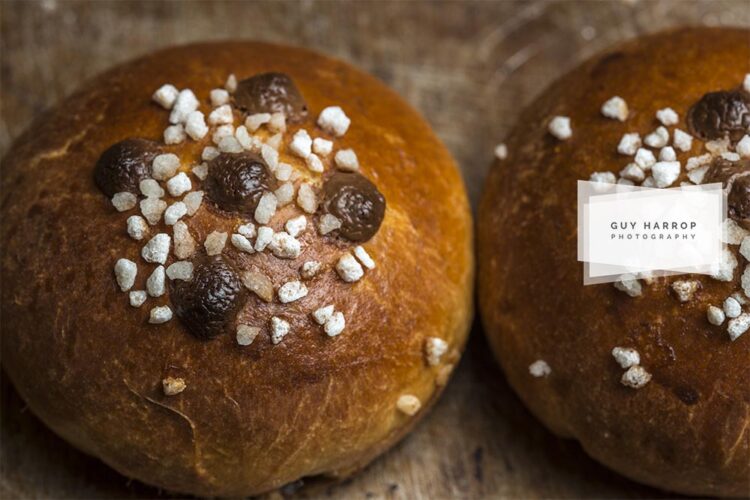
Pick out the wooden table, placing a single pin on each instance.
(469, 68)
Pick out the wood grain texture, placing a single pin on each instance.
(469, 67)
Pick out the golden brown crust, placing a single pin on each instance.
(251, 419)
(688, 430)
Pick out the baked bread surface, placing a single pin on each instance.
(688, 429)
(252, 418)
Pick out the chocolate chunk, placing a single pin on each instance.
(723, 171)
(208, 303)
(271, 93)
(357, 203)
(739, 200)
(236, 181)
(124, 165)
(720, 113)
(735, 176)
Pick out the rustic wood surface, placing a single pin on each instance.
(469, 67)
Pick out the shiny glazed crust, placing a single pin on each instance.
(688, 430)
(251, 418)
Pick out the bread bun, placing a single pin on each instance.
(688, 428)
(176, 397)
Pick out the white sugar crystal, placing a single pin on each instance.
(159, 315)
(277, 122)
(221, 132)
(254, 122)
(284, 194)
(244, 138)
(626, 357)
(335, 324)
(185, 104)
(137, 227)
(209, 153)
(221, 116)
(165, 166)
(157, 249)
(174, 134)
(275, 141)
(685, 289)
(615, 108)
(259, 284)
(266, 208)
(746, 83)
(539, 368)
(279, 329)
(306, 199)
(629, 284)
(667, 154)
(137, 298)
(682, 140)
(603, 177)
(697, 174)
(322, 314)
(629, 144)
(731, 307)
(346, 159)
(184, 243)
(285, 246)
(174, 212)
(328, 223)
(644, 158)
(124, 201)
(745, 247)
(284, 171)
(408, 404)
(745, 281)
(636, 377)
(231, 84)
(434, 349)
(665, 173)
(740, 297)
(667, 117)
(501, 151)
(230, 144)
(732, 233)
(322, 147)
(215, 242)
(296, 225)
(717, 146)
(738, 326)
(715, 315)
(218, 97)
(125, 272)
(242, 244)
(301, 144)
(309, 269)
(361, 254)
(166, 95)
(151, 188)
(193, 201)
(156, 283)
(648, 182)
(314, 164)
(195, 126)
(180, 270)
(246, 334)
(560, 128)
(201, 171)
(633, 172)
(334, 121)
(179, 184)
(292, 291)
(247, 230)
(270, 156)
(349, 269)
(658, 138)
(730, 156)
(724, 270)
(265, 235)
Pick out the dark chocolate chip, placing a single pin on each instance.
(720, 113)
(124, 165)
(207, 304)
(236, 182)
(734, 175)
(271, 93)
(357, 203)
(722, 170)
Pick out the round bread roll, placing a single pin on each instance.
(210, 302)
(645, 382)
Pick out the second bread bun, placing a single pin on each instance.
(259, 360)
